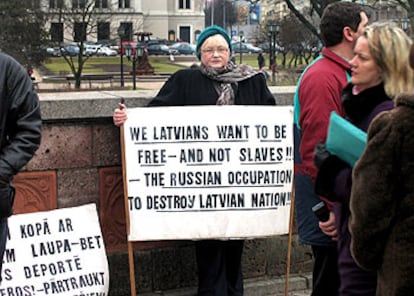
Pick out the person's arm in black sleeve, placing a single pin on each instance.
(329, 166)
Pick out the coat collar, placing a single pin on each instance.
(405, 99)
(358, 106)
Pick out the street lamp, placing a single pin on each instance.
(121, 34)
(134, 54)
(241, 33)
(211, 11)
(404, 24)
(274, 29)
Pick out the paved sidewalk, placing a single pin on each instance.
(299, 285)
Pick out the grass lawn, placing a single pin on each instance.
(161, 64)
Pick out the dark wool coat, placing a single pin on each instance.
(382, 201)
(191, 87)
(334, 181)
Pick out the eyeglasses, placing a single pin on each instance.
(211, 50)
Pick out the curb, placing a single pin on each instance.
(299, 285)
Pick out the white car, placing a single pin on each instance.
(90, 49)
(106, 51)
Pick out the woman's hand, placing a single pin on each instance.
(120, 115)
(329, 227)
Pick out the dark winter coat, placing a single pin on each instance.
(191, 87)
(382, 201)
(334, 181)
(20, 122)
(20, 126)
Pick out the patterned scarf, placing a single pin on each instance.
(227, 77)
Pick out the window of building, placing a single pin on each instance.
(80, 32)
(124, 3)
(78, 4)
(56, 32)
(171, 35)
(103, 31)
(35, 4)
(101, 3)
(127, 31)
(55, 4)
(184, 4)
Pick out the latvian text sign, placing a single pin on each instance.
(208, 171)
(59, 252)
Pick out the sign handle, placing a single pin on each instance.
(289, 249)
(127, 222)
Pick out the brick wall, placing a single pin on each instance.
(79, 162)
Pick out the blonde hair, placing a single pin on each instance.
(390, 46)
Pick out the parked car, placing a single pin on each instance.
(106, 51)
(53, 51)
(266, 47)
(110, 43)
(90, 49)
(160, 49)
(184, 48)
(245, 48)
(71, 50)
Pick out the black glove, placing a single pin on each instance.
(7, 193)
(328, 166)
(320, 154)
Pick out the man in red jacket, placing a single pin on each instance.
(318, 94)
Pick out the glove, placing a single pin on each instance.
(328, 166)
(321, 154)
(7, 194)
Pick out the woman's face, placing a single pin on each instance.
(215, 52)
(365, 72)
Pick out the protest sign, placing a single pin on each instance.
(199, 172)
(59, 252)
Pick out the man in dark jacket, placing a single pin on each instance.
(20, 133)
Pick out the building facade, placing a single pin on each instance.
(97, 20)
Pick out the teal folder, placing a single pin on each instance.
(344, 139)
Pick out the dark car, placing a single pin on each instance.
(245, 48)
(184, 48)
(71, 50)
(53, 51)
(160, 49)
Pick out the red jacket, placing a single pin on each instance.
(319, 94)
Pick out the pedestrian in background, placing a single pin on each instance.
(380, 70)
(382, 197)
(260, 60)
(20, 133)
(217, 81)
(318, 93)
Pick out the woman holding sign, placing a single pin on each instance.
(217, 81)
(380, 70)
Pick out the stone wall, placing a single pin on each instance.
(79, 162)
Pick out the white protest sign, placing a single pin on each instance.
(59, 252)
(208, 171)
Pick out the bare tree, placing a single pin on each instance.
(22, 33)
(81, 18)
(316, 7)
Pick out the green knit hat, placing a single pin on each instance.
(210, 31)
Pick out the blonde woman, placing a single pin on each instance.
(379, 70)
(382, 199)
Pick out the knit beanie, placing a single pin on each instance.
(210, 31)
